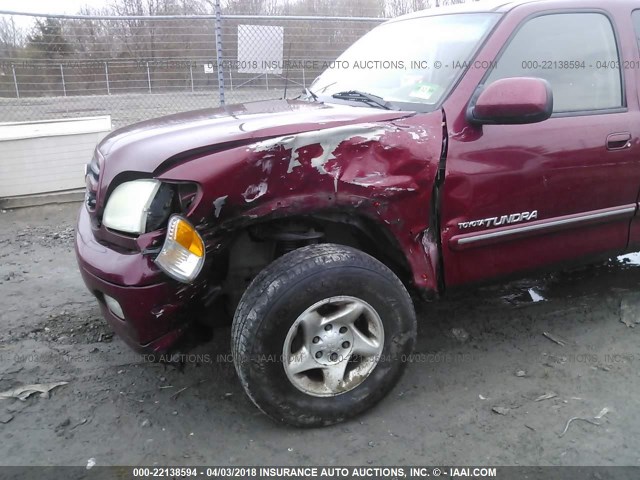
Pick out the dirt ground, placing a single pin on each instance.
(489, 385)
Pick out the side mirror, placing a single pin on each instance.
(511, 101)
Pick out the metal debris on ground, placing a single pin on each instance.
(501, 410)
(546, 396)
(175, 395)
(24, 392)
(554, 339)
(572, 419)
(535, 296)
(81, 422)
(602, 413)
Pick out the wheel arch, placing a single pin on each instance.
(354, 230)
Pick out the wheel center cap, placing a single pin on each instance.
(333, 346)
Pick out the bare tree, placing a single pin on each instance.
(12, 37)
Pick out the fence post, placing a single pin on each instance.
(106, 76)
(64, 86)
(15, 80)
(218, 28)
(148, 77)
(191, 74)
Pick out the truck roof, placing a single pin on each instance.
(503, 6)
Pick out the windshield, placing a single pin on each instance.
(412, 61)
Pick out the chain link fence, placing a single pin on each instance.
(135, 68)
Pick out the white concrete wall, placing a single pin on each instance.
(47, 156)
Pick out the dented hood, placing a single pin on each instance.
(146, 146)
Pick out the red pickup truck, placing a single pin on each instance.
(444, 148)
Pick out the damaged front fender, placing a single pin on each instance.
(384, 171)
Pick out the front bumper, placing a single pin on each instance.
(156, 308)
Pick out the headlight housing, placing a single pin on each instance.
(138, 206)
(182, 255)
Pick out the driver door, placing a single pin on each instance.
(562, 189)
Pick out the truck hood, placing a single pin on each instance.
(154, 145)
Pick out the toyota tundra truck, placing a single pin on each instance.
(445, 148)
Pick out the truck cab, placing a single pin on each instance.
(578, 170)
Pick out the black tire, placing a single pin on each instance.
(285, 289)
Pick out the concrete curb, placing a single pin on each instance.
(36, 200)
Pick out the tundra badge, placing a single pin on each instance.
(500, 221)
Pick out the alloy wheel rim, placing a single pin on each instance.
(333, 346)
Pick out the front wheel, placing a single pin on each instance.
(322, 334)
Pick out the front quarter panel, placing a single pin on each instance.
(384, 171)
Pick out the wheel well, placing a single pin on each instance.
(255, 246)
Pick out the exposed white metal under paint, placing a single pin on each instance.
(254, 192)
(329, 139)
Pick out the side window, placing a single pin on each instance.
(636, 23)
(575, 52)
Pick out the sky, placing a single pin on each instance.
(49, 6)
(69, 7)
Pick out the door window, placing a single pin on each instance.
(636, 24)
(575, 52)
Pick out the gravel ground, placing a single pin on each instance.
(498, 372)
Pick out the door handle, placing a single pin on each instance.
(619, 141)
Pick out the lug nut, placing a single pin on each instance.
(334, 357)
(346, 344)
(343, 329)
(328, 327)
(318, 354)
(316, 339)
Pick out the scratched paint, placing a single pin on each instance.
(253, 192)
(382, 170)
(328, 139)
(218, 203)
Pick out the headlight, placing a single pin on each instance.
(138, 206)
(182, 254)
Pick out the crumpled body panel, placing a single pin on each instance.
(381, 170)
